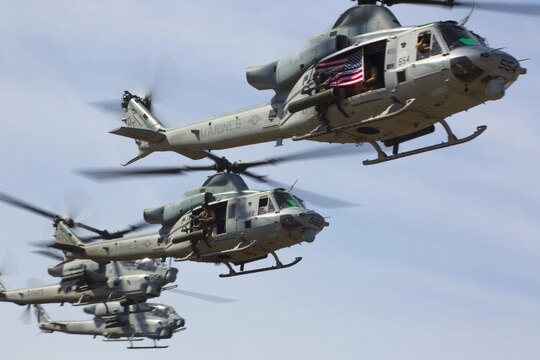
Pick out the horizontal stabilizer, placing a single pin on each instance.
(95, 277)
(139, 134)
(67, 247)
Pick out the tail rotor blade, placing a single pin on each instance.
(75, 201)
(49, 253)
(25, 316)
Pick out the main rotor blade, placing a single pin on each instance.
(108, 174)
(508, 7)
(516, 8)
(109, 235)
(331, 150)
(318, 199)
(206, 297)
(27, 206)
(49, 253)
(103, 234)
(222, 164)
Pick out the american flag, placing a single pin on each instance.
(344, 70)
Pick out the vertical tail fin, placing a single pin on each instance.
(66, 240)
(138, 113)
(147, 131)
(41, 315)
(2, 290)
(141, 125)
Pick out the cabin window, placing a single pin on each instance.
(427, 45)
(401, 76)
(265, 205)
(232, 211)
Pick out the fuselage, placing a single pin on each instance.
(156, 322)
(137, 281)
(249, 225)
(455, 72)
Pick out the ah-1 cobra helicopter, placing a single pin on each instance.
(116, 321)
(248, 226)
(366, 80)
(85, 281)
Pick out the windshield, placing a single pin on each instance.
(146, 264)
(285, 200)
(160, 311)
(456, 36)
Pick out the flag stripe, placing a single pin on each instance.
(344, 70)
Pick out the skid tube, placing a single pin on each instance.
(279, 265)
(452, 140)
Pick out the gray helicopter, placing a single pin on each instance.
(366, 80)
(85, 282)
(247, 225)
(116, 321)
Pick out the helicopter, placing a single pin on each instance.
(366, 80)
(248, 226)
(116, 321)
(85, 281)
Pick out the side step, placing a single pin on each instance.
(387, 114)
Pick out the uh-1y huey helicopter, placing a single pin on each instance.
(366, 80)
(116, 321)
(85, 281)
(246, 225)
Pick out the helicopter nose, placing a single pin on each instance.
(308, 223)
(489, 72)
(170, 275)
(503, 69)
(179, 323)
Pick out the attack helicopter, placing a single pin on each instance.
(248, 225)
(366, 80)
(85, 281)
(116, 321)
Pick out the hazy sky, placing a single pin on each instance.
(440, 262)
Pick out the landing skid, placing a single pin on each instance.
(132, 347)
(278, 266)
(452, 140)
(156, 346)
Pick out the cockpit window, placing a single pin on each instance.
(300, 202)
(146, 264)
(160, 311)
(456, 36)
(285, 200)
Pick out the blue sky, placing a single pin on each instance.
(440, 261)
